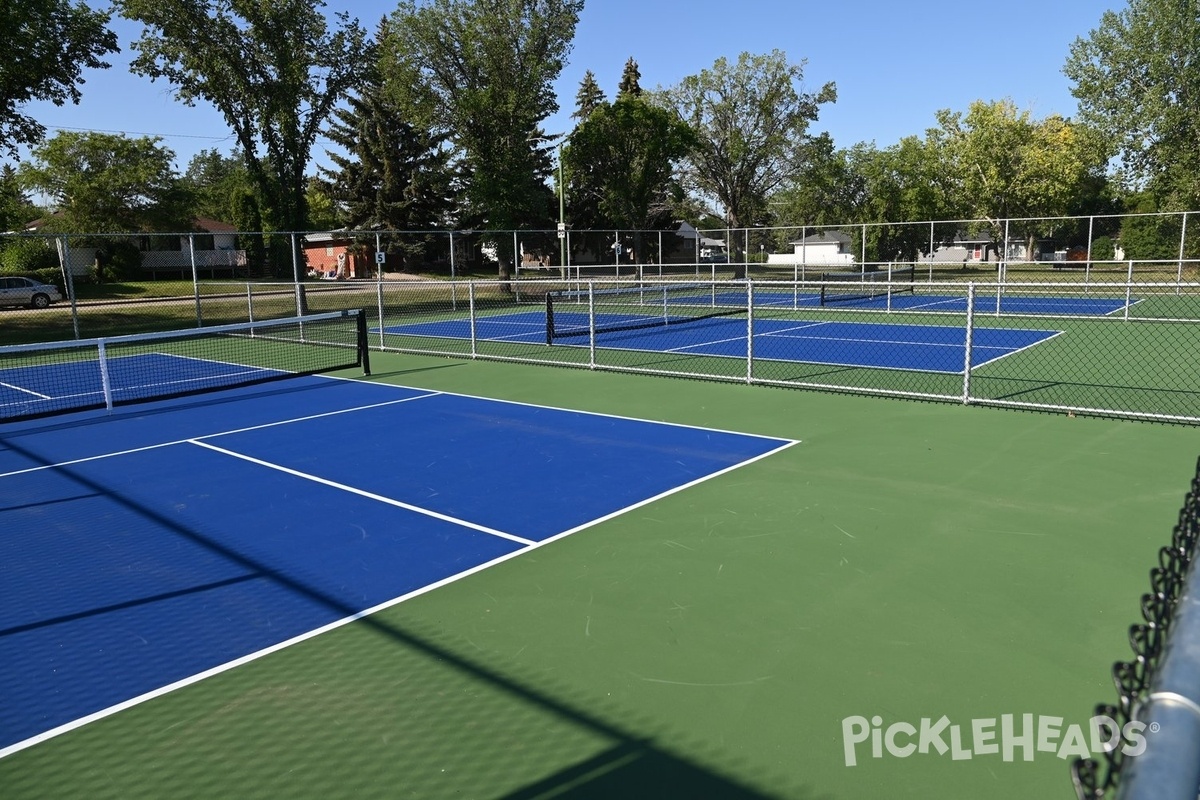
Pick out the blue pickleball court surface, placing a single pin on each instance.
(146, 548)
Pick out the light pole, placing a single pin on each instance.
(558, 139)
(562, 222)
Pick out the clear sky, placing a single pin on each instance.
(894, 64)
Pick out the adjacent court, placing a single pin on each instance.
(922, 348)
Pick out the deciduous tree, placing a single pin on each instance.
(48, 44)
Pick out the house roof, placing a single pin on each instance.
(200, 224)
(824, 237)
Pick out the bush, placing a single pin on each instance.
(122, 261)
(27, 255)
(1103, 249)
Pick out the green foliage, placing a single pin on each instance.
(25, 255)
(48, 44)
(588, 98)
(216, 183)
(107, 183)
(1007, 165)
(619, 165)
(1104, 249)
(274, 70)
(116, 260)
(489, 67)
(1155, 237)
(751, 123)
(15, 208)
(1137, 80)
(396, 174)
(630, 80)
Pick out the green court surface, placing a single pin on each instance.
(906, 560)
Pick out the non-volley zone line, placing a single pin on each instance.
(229, 543)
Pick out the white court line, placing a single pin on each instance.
(215, 435)
(362, 493)
(16, 388)
(741, 338)
(246, 659)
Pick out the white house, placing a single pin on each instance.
(820, 250)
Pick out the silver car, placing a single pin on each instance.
(27, 292)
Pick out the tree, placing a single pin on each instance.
(1137, 80)
(48, 44)
(491, 65)
(108, 183)
(620, 160)
(1010, 166)
(15, 207)
(274, 71)
(630, 80)
(588, 98)
(217, 183)
(394, 175)
(752, 124)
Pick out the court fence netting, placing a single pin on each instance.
(41, 379)
(1116, 348)
(1153, 748)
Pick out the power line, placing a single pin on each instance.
(144, 133)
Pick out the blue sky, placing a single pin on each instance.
(895, 64)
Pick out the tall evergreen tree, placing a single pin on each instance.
(589, 97)
(394, 175)
(630, 80)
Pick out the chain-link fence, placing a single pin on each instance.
(1110, 347)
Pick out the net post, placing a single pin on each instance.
(363, 344)
(549, 317)
(105, 380)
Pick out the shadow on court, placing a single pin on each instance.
(558, 748)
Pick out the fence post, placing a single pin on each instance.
(749, 330)
(471, 304)
(1128, 288)
(968, 340)
(591, 325)
(195, 279)
(379, 306)
(65, 248)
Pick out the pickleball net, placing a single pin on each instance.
(38, 380)
(849, 287)
(580, 313)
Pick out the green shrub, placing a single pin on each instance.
(1103, 249)
(27, 255)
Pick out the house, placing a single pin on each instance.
(826, 249)
(211, 248)
(964, 250)
(338, 255)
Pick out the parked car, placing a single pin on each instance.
(27, 292)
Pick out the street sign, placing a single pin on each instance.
(380, 257)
